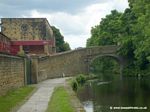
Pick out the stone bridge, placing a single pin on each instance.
(71, 63)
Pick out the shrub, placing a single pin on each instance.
(78, 81)
(81, 79)
(74, 85)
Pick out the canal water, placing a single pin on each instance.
(116, 95)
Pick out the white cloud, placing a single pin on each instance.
(77, 40)
(119, 4)
(76, 28)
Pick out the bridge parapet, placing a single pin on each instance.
(102, 50)
(70, 63)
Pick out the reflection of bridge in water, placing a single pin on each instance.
(72, 62)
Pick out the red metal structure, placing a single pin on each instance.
(5, 43)
(32, 42)
(33, 46)
(36, 46)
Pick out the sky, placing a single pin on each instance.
(74, 18)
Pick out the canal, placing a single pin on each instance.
(116, 94)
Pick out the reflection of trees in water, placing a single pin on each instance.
(126, 92)
(85, 93)
(136, 92)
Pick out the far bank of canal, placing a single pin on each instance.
(103, 96)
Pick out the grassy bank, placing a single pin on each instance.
(14, 98)
(60, 101)
(80, 79)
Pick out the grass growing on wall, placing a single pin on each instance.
(60, 101)
(13, 98)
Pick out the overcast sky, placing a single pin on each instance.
(74, 18)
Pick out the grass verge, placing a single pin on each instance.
(60, 101)
(14, 98)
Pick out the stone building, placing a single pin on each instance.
(5, 44)
(33, 35)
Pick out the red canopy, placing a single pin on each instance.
(33, 42)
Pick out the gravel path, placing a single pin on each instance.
(38, 102)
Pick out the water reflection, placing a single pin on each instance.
(129, 92)
(88, 106)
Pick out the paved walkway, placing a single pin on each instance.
(38, 102)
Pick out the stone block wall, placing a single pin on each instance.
(68, 63)
(65, 64)
(26, 28)
(11, 72)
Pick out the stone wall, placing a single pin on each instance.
(68, 63)
(11, 72)
(13, 69)
(26, 28)
(65, 64)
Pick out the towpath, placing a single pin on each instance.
(38, 102)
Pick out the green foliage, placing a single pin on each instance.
(74, 85)
(13, 98)
(139, 35)
(81, 79)
(107, 31)
(131, 31)
(61, 45)
(66, 46)
(104, 65)
(91, 76)
(60, 101)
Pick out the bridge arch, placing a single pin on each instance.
(117, 58)
(73, 62)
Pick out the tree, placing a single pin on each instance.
(61, 45)
(141, 9)
(130, 30)
(66, 46)
(107, 31)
